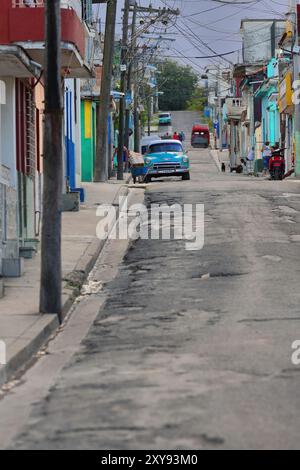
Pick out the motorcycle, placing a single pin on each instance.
(277, 165)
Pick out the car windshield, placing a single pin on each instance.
(166, 147)
(164, 115)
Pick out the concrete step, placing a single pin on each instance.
(12, 267)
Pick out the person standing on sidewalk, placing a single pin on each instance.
(125, 158)
(182, 136)
(266, 154)
(250, 160)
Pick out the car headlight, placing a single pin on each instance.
(185, 159)
(147, 161)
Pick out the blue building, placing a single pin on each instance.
(72, 161)
(268, 93)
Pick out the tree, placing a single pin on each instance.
(102, 164)
(198, 100)
(178, 83)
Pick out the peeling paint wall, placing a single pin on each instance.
(260, 38)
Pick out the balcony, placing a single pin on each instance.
(235, 108)
(22, 23)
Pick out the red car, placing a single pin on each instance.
(200, 136)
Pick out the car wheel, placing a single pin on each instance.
(147, 179)
(186, 176)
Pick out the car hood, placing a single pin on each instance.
(165, 157)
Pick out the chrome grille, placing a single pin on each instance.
(166, 166)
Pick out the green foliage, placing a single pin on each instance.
(144, 118)
(198, 100)
(178, 83)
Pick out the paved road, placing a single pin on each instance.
(182, 121)
(191, 349)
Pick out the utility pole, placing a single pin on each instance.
(136, 113)
(130, 72)
(162, 13)
(149, 114)
(296, 66)
(136, 118)
(50, 288)
(123, 90)
(102, 163)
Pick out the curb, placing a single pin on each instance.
(18, 363)
(86, 262)
(24, 357)
(215, 159)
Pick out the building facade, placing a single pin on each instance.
(22, 40)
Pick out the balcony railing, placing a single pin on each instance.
(75, 5)
(235, 106)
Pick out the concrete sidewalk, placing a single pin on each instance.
(220, 157)
(22, 328)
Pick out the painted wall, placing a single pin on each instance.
(72, 133)
(270, 121)
(260, 38)
(28, 24)
(8, 174)
(28, 129)
(258, 142)
(88, 139)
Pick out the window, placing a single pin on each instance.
(166, 147)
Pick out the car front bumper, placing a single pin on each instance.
(163, 172)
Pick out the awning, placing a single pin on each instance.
(14, 62)
(117, 95)
(73, 66)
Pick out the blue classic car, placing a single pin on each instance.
(165, 119)
(166, 158)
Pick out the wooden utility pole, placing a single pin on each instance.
(50, 289)
(130, 72)
(162, 14)
(136, 119)
(102, 164)
(296, 67)
(124, 52)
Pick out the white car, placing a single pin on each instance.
(146, 141)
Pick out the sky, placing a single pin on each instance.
(207, 27)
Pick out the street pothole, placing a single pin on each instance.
(267, 320)
(212, 440)
(207, 276)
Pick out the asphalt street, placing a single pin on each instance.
(190, 349)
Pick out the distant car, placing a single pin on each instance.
(146, 141)
(167, 158)
(165, 119)
(200, 136)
